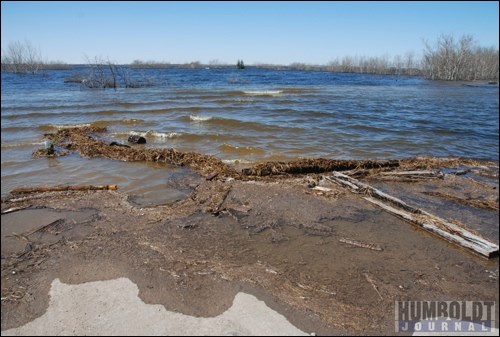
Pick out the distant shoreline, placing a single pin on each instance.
(313, 68)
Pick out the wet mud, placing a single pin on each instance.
(323, 257)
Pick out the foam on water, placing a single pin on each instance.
(263, 92)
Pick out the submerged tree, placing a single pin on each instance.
(459, 60)
(102, 74)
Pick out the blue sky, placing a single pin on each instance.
(257, 32)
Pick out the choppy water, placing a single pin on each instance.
(243, 116)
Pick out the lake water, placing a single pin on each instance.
(242, 117)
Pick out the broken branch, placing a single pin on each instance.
(361, 244)
(62, 188)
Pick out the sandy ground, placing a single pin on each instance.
(230, 245)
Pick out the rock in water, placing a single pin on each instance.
(137, 139)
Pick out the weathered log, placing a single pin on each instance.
(358, 187)
(14, 209)
(434, 224)
(62, 188)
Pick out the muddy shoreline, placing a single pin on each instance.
(274, 236)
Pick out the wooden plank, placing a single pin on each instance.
(359, 187)
(432, 223)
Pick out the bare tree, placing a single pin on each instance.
(410, 64)
(98, 76)
(398, 64)
(103, 74)
(21, 57)
(453, 60)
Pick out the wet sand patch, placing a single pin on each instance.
(43, 226)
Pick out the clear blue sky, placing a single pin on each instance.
(257, 32)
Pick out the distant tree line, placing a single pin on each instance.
(447, 59)
(407, 65)
(399, 65)
(149, 64)
(139, 64)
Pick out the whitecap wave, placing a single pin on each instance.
(156, 134)
(14, 145)
(62, 126)
(200, 118)
(263, 92)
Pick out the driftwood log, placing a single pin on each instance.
(62, 188)
(15, 209)
(434, 224)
